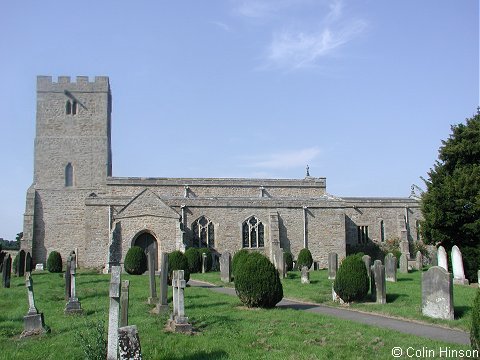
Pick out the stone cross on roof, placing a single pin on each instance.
(308, 171)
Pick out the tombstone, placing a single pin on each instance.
(335, 297)
(129, 343)
(33, 322)
(367, 261)
(178, 321)
(419, 261)
(73, 305)
(380, 288)
(373, 285)
(7, 271)
(437, 293)
(457, 265)
(68, 278)
(225, 267)
(28, 263)
(390, 268)
(403, 264)
(433, 254)
(112, 347)
(21, 263)
(442, 258)
(162, 305)
(332, 265)
(204, 263)
(124, 303)
(279, 262)
(153, 299)
(39, 267)
(305, 278)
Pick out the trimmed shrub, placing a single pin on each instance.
(471, 256)
(475, 326)
(257, 282)
(194, 259)
(288, 257)
(136, 262)
(351, 282)
(54, 262)
(238, 259)
(304, 259)
(177, 261)
(209, 258)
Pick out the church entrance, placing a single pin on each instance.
(149, 244)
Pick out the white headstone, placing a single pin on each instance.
(457, 265)
(442, 258)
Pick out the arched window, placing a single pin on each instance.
(382, 231)
(69, 175)
(68, 107)
(252, 233)
(203, 233)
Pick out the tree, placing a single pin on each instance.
(451, 204)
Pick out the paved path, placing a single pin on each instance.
(404, 326)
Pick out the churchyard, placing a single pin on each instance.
(223, 327)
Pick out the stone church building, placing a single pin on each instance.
(75, 202)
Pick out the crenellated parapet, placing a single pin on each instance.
(81, 84)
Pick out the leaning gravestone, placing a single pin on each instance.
(379, 276)
(178, 321)
(153, 299)
(225, 267)
(419, 260)
(112, 347)
(390, 268)
(403, 264)
(305, 277)
(442, 258)
(437, 293)
(129, 343)
(162, 304)
(33, 323)
(367, 261)
(73, 305)
(332, 265)
(457, 265)
(7, 271)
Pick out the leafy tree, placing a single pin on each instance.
(451, 204)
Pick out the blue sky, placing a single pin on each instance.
(362, 91)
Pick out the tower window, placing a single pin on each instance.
(69, 175)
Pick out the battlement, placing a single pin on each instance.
(82, 84)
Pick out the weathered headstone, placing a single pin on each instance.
(124, 303)
(403, 264)
(73, 305)
(28, 263)
(153, 299)
(437, 293)
(457, 265)
(332, 265)
(305, 277)
(433, 254)
(178, 321)
(112, 347)
(129, 343)
(39, 267)
(7, 271)
(367, 260)
(380, 287)
(391, 268)
(225, 267)
(373, 285)
(33, 322)
(68, 278)
(204, 263)
(442, 258)
(21, 263)
(279, 262)
(419, 261)
(162, 304)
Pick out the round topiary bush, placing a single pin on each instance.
(475, 326)
(304, 259)
(288, 257)
(238, 259)
(194, 259)
(177, 261)
(136, 262)
(54, 262)
(209, 258)
(351, 282)
(257, 282)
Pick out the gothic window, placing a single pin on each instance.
(253, 233)
(382, 231)
(68, 107)
(69, 175)
(362, 234)
(203, 233)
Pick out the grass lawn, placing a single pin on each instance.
(226, 330)
(404, 298)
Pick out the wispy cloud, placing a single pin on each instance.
(221, 25)
(284, 160)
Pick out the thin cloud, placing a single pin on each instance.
(221, 25)
(284, 160)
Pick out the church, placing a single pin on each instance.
(75, 202)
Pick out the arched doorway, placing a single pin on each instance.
(148, 243)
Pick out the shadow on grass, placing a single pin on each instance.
(404, 279)
(294, 306)
(202, 355)
(392, 297)
(460, 311)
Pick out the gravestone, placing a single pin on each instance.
(115, 247)
(373, 285)
(279, 262)
(162, 304)
(204, 263)
(21, 263)
(129, 343)
(73, 305)
(153, 299)
(33, 322)
(419, 261)
(367, 261)
(403, 264)
(442, 258)
(305, 277)
(124, 303)
(457, 266)
(68, 278)
(225, 267)
(390, 268)
(7, 271)
(332, 265)
(335, 297)
(178, 321)
(437, 293)
(380, 287)
(114, 294)
(433, 254)
(39, 267)
(28, 263)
